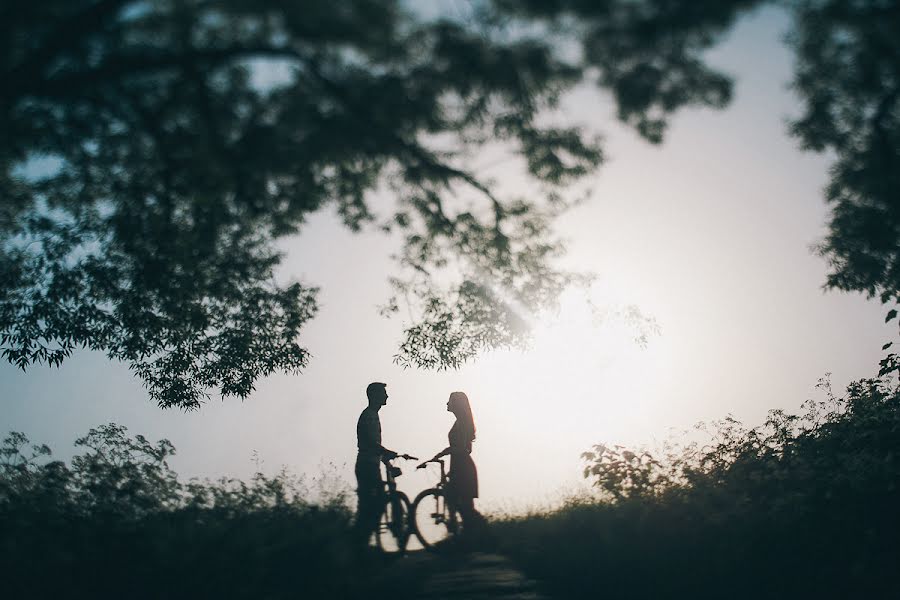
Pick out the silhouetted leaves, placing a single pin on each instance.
(172, 172)
(848, 76)
(152, 153)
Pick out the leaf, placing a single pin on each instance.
(888, 345)
(891, 314)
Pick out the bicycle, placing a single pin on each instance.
(393, 531)
(433, 521)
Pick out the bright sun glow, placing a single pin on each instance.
(584, 380)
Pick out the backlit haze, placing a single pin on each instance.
(709, 234)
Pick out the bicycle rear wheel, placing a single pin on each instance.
(433, 520)
(393, 527)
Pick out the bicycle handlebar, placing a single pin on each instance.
(404, 457)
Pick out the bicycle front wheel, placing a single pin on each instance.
(433, 520)
(393, 527)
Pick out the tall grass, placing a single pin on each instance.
(803, 506)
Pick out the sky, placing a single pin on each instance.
(709, 234)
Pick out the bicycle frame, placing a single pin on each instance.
(442, 514)
(390, 482)
(444, 478)
(397, 506)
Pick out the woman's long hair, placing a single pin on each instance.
(464, 412)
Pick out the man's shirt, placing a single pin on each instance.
(368, 435)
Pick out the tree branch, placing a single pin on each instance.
(413, 150)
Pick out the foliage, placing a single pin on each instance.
(803, 506)
(176, 141)
(118, 522)
(848, 77)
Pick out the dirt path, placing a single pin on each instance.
(473, 576)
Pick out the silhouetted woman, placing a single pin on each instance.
(462, 488)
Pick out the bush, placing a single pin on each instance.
(118, 523)
(804, 506)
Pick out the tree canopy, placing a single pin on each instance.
(146, 171)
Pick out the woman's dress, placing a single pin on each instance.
(463, 484)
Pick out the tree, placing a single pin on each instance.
(849, 77)
(170, 170)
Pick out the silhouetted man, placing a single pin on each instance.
(369, 485)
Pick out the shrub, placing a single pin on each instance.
(802, 506)
(117, 522)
